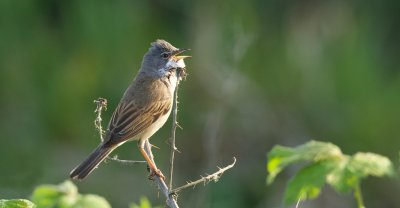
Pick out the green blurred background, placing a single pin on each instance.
(262, 73)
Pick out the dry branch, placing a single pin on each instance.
(180, 73)
(101, 103)
(212, 177)
(162, 186)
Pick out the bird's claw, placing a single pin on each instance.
(156, 172)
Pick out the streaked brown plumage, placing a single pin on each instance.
(144, 108)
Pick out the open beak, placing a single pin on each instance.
(179, 51)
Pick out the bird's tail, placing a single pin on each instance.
(94, 159)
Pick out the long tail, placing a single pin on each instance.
(94, 159)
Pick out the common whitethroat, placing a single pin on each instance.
(143, 109)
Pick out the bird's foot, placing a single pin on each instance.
(156, 172)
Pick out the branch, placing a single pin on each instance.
(180, 72)
(101, 103)
(162, 186)
(213, 177)
(125, 162)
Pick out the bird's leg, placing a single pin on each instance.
(147, 148)
(152, 165)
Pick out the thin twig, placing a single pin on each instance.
(213, 177)
(162, 186)
(180, 72)
(101, 103)
(125, 162)
(298, 201)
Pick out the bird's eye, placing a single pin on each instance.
(165, 55)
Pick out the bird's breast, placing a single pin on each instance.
(154, 127)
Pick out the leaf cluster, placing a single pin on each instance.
(65, 195)
(16, 203)
(324, 163)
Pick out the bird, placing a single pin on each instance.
(143, 109)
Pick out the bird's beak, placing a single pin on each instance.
(182, 57)
(179, 51)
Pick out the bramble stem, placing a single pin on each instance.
(213, 177)
(101, 104)
(180, 73)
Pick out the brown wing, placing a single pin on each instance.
(129, 119)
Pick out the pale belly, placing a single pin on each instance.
(154, 127)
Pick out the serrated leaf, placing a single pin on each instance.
(365, 164)
(16, 203)
(280, 157)
(325, 163)
(352, 169)
(308, 181)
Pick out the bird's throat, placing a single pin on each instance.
(175, 63)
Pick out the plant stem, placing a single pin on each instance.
(358, 196)
(179, 73)
(162, 186)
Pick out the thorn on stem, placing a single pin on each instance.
(179, 126)
(152, 145)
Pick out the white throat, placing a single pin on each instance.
(175, 64)
(172, 76)
(171, 64)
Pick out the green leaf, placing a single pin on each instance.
(365, 164)
(280, 157)
(144, 203)
(62, 195)
(92, 201)
(65, 195)
(46, 196)
(350, 170)
(325, 163)
(68, 188)
(16, 203)
(307, 183)
(340, 178)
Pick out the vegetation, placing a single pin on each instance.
(64, 195)
(325, 163)
(263, 73)
(16, 203)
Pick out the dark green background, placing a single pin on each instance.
(262, 73)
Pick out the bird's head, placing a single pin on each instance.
(162, 57)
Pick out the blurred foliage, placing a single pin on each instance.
(65, 195)
(262, 73)
(325, 163)
(144, 203)
(16, 203)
